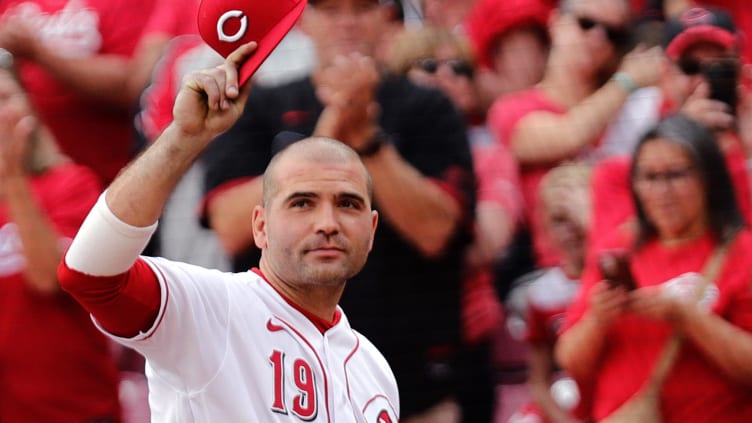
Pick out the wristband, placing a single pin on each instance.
(105, 245)
(626, 82)
(373, 145)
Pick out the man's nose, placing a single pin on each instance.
(327, 220)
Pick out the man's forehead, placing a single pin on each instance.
(319, 3)
(304, 171)
(619, 7)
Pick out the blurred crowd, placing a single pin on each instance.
(564, 190)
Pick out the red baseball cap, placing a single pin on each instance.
(699, 24)
(489, 20)
(225, 25)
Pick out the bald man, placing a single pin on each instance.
(269, 344)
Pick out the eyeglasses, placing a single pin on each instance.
(675, 178)
(459, 67)
(617, 36)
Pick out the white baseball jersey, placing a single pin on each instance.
(226, 347)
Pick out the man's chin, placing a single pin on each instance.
(328, 276)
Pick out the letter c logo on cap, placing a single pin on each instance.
(221, 26)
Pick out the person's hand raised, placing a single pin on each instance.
(210, 101)
(347, 90)
(644, 65)
(16, 129)
(713, 114)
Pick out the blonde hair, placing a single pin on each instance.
(572, 178)
(415, 44)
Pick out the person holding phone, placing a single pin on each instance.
(702, 79)
(702, 46)
(686, 215)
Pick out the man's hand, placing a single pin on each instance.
(210, 101)
(347, 91)
(713, 114)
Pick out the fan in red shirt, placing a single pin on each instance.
(564, 116)
(686, 210)
(695, 42)
(54, 365)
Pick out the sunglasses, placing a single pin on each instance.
(458, 67)
(689, 67)
(617, 36)
(692, 67)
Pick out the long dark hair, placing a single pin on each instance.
(724, 216)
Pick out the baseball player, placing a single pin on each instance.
(266, 345)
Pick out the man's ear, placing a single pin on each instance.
(258, 222)
(375, 224)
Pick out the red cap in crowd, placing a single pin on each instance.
(227, 24)
(490, 19)
(696, 25)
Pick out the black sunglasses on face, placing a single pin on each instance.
(689, 67)
(458, 67)
(617, 36)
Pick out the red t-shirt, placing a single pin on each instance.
(503, 118)
(173, 18)
(54, 364)
(90, 132)
(695, 390)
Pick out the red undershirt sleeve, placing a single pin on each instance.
(125, 305)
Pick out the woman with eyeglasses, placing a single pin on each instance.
(587, 81)
(664, 315)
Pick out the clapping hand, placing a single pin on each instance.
(347, 91)
(16, 130)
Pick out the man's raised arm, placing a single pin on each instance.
(99, 269)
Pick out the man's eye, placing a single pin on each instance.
(300, 203)
(349, 204)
